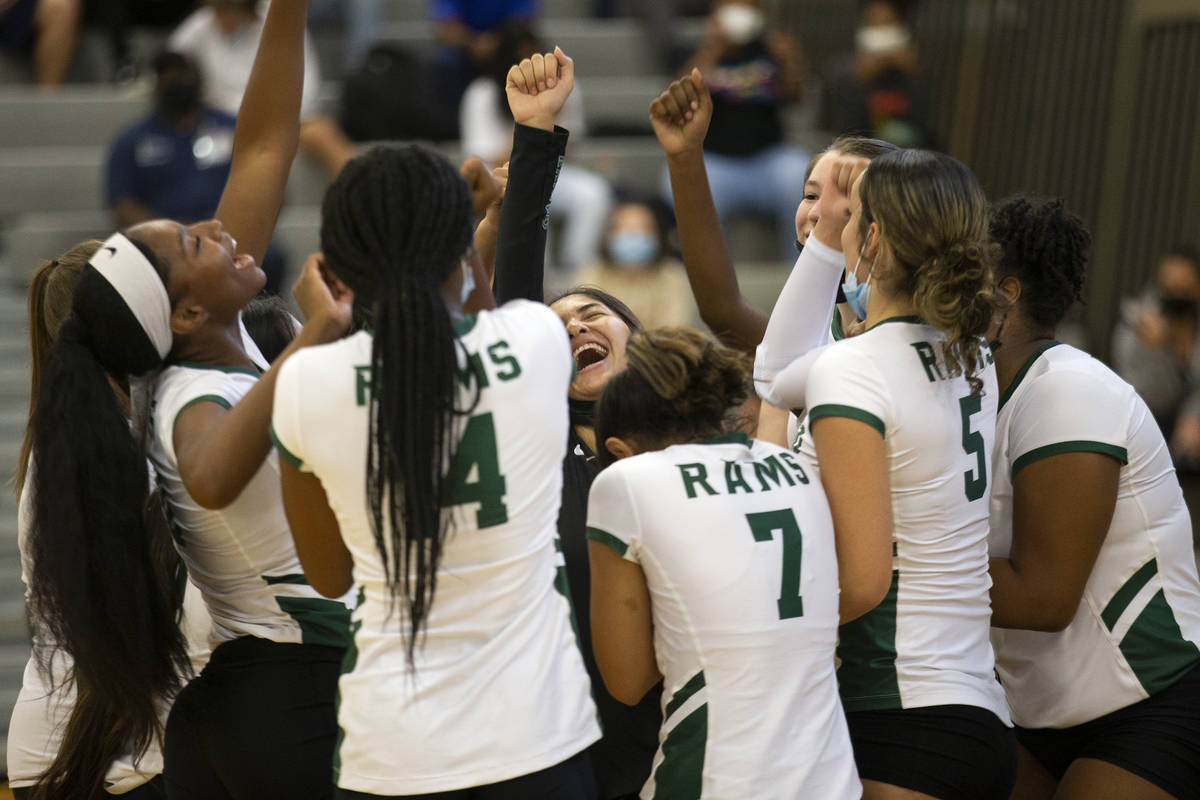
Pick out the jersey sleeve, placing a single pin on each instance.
(286, 423)
(1067, 412)
(612, 518)
(802, 316)
(843, 382)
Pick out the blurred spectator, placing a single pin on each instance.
(43, 32)
(1156, 348)
(469, 32)
(222, 39)
(752, 74)
(581, 198)
(637, 265)
(878, 91)
(174, 163)
(360, 18)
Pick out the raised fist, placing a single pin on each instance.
(538, 87)
(681, 114)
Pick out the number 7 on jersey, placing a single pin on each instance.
(763, 525)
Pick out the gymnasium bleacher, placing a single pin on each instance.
(53, 147)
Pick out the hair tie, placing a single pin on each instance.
(126, 268)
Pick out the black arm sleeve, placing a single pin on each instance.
(537, 156)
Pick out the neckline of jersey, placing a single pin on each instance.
(913, 318)
(1020, 376)
(230, 368)
(735, 437)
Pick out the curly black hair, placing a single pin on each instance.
(1045, 247)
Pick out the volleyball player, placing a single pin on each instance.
(440, 503)
(1095, 597)
(40, 728)
(902, 418)
(713, 567)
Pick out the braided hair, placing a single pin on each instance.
(100, 588)
(1045, 247)
(394, 225)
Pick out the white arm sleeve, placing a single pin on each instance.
(802, 314)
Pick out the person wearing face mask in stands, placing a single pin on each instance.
(174, 162)
(637, 265)
(752, 73)
(877, 90)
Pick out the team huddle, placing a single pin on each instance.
(448, 540)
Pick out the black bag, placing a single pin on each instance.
(396, 94)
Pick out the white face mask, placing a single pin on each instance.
(468, 280)
(740, 23)
(881, 38)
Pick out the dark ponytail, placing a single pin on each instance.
(99, 589)
(395, 223)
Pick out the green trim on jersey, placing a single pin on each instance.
(464, 325)
(867, 676)
(294, 578)
(607, 539)
(1020, 376)
(349, 662)
(680, 775)
(284, 453)
(835, 328)
(228, 368)
(734, 437)
(911, 318)
(204, 398)
(1076, 446)
(848, 412)
(321, 621)
(1155, 648)
(1124, 596)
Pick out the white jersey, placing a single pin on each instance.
(41, 712)
(927, 642)
(241, 557)
(736, 543)
(1138, 625)
(499, 688)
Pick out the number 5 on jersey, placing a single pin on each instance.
(763, 526)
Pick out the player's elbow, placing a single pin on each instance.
(857, 597)
(213, 495)
(330, 585)
(626, 688)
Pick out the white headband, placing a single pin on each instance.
(127, 269)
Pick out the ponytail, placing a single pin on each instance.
(100, 589)
(954, 294)
(932, 218)
(395, 223)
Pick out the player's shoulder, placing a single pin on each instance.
(1067, 378)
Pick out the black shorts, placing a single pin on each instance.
(569, 780)
(259, 723)
(950, 752)
(1157, 739)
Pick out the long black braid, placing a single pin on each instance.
(394, 225)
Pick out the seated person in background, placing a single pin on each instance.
(222, 38)
(174, 162)
(469, 34)
(581, 198)
(752, 74)
(44, 29)
(637, 265)
(877, 91)
(1156, 348)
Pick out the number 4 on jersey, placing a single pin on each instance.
(475, 476)
(763, 526)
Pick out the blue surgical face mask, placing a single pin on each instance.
(632, 248)
(468, 281)
(857, 295)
